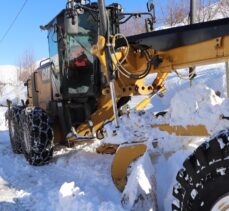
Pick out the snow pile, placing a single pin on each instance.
(139, 193)
(198, 105)
(213, 76)
(195, 105)
(70, 198)
(192, 106)
(134, 127)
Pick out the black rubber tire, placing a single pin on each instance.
(205, 176)
(37, 139)
(13, 117)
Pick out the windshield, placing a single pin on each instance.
(81, 43)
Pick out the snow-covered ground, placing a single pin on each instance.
(77, 179)
(10, 87)
(80, 179)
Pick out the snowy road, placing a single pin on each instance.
(75, 181)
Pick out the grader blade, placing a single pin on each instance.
(124, 156)
(179, 130)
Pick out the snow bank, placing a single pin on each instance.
(198, 104)
(195, 105)
(10, 87)
(8, 74)
(15, 93)
(213, 76)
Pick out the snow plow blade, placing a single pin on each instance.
(128, 153)
(124, 156)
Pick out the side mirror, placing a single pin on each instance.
(149, 25)
(71, 23)
(150, 6)
(149, 22)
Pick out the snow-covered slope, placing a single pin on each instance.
(10, 87)
(8, 74)
(79, 179)
(15, 93)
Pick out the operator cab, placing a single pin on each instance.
(80, 77)
(75, 73)
(70, 52)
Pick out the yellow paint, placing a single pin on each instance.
(124, 156)
(143, 103)
(207, 52)
(189, 130)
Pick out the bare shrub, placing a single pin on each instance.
(224, 8)
(26, 65)
(177, 11)
(136, 25)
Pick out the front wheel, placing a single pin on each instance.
(37, 136)
(203, 183)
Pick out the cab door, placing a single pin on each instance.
(41, 85)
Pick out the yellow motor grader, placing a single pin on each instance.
(91, 74)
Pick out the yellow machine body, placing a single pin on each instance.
(41, 92)
(207, 52)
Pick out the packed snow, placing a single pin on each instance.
(80, 179)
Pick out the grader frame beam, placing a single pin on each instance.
(203, 50)
(166, 39)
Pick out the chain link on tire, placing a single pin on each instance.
(37, 136)
(204, 179)
(13, 116)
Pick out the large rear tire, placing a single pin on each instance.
(203, 183)
(37, 143)
(14, 128)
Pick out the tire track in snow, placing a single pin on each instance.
(89, 171)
